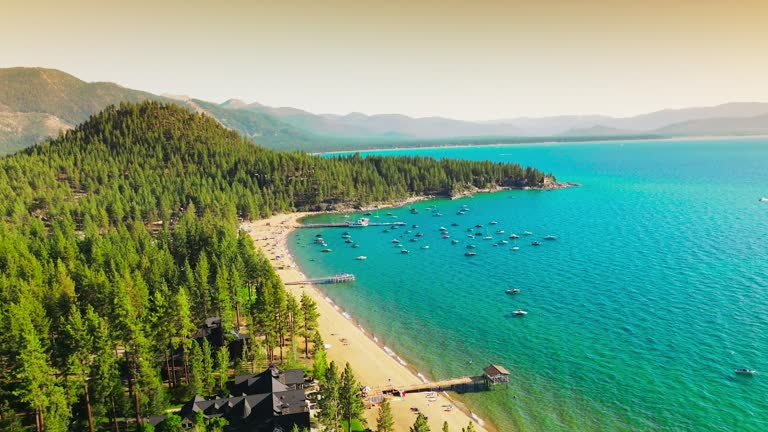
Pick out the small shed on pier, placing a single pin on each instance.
(495, 374)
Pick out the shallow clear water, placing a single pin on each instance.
(655, 290)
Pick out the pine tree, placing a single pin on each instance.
(222, 363)
(445, 426)
(385, 422)
(420, 425)
(310, 315)
(207, 377)
(330, 410)
(350, 405)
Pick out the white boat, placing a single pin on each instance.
(493, 222)
(512, 291)
(745, 371)
(527, 233)
(550, 237)
(395, 241)
(514, 236)
(520, 312)
(763, 199)
(425, 247)
(362, 258)
(469, 253)
(515, 248)
(404, 251)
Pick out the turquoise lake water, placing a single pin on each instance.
(655, 290)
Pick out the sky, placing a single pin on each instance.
(474, 60)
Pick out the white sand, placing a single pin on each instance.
(372, 365)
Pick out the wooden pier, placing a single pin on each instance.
(492, 375)
(350, 225)
(339, 278)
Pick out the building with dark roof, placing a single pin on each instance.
(271, 401)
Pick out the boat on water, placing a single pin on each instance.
(512, 291)
(515, 248)
(470, 253)
(395, 241)
(745, 371)
(499, 231)
(367, 214)
(323, 244)
(404, 251)
(414, 226)
(503, 242)
(470, 236)
(454, 224)
(443, 229)
(493, 222)
(514, 236)
(355, 245)
(437, 214)
(389, 213)
(487, 238)
(362, 222)
(414, 240)
(471, 246)
(319, 240)
(479, 226)
(520, 312)
(454, 241)
(425, 247)
(445, 236)
(349, 240)
(535, 243)
(398, 245)
(385, 231)
(419, 234)
(461, 213)
(414, 211)
(362, 258)
(763, 199)
(550, 237)
(527, 233)
(326, 250)
(318, 235)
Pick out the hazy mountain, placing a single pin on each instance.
(757, 125)
(36, 103)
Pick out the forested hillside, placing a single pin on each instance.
(120, 237)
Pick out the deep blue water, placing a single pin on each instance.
(654, 292)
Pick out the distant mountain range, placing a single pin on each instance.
(37, 103)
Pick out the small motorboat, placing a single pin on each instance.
(404, 251)
(470, 253)
(514, 236)
(425, 247)
(745, 371)
(326, 250)
(362, 258)
(470, 236)
(461, 213)
(515, 248)
(348, 241)
(385, 231)
(395, 241)
(443, 229)
(527, 233)
(550, 237)
(535, 243)
(318, 235)
(367, 214)
(413, 239)
(471, 246)
(355, 245)
(454, 224)
(487, 238)
(437, 214)
(414, 226)
(398, 245)
(493, 222)
(520, 312)
(414, 211)
(445, 236)
(418, 234)
(500, 232)
(512, 291)
(479, 226)
(763, 199)
(389, 213)
(454, 241)
(503, 242)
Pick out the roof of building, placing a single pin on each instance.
(495, 370)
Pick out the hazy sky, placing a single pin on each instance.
(464, 59)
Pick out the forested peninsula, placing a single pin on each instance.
(120, 237)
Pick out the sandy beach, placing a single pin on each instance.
(350, 343)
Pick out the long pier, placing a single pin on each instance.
(350, 225)
(339, 278)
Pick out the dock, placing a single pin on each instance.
(492, 375)
(350, 225)
(335, 279)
